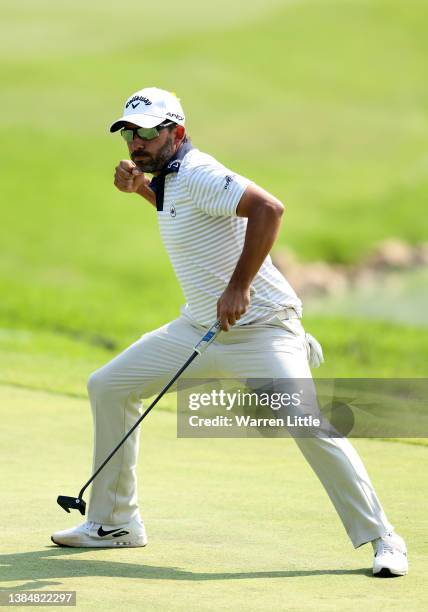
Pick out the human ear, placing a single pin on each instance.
(179, 132)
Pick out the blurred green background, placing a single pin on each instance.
(323, 103)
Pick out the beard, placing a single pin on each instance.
(153, 163)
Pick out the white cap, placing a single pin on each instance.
(149, 107)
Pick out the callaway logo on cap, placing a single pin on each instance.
(149, 107)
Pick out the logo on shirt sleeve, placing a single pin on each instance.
(228, 179)
(172, 210)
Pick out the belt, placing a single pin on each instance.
(286, 313)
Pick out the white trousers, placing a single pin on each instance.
(273, 349)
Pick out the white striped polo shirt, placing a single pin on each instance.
(204, 239)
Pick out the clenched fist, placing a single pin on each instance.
(129, 178)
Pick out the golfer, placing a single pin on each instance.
(218, 229)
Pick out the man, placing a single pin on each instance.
(218, 228)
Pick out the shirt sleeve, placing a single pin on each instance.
(215, 189)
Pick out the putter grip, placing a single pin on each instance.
(210, 335)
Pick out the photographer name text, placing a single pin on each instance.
(247, 421)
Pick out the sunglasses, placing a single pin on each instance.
(128, 134)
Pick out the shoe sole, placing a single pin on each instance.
(100, 545)
(385, 572)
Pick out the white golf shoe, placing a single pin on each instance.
(390, 556)
(97, 535)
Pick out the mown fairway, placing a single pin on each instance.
(321, 102)
(232, 524)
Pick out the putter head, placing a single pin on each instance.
(73, 503)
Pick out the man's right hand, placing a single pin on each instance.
(129, 178)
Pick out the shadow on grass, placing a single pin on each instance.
(40, 568)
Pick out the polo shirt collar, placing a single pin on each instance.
(157, 184)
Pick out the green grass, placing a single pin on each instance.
(399, 297)
(61, 363)
(233, 524)
(323, 103)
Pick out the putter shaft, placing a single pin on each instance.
(77, 503)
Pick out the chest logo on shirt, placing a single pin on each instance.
(172, 210)
(174, 165)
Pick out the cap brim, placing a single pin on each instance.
(146, 121)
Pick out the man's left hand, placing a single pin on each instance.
(232, 304)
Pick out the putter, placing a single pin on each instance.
(78, 503)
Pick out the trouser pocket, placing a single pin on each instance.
(313, 348)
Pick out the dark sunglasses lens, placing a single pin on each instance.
(143, 133)
(147, 133)
(128, 135)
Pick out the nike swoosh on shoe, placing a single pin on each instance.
(103, 533)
